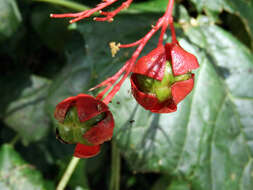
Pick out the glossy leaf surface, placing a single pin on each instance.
(10, 18)
(241, 8)
(23, 107)
(15, 173)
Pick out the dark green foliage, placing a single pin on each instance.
(205, 145)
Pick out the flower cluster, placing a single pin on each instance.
(159, 80)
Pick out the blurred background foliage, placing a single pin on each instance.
(206, 145)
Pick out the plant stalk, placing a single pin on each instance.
(69, 171)
(115, 169)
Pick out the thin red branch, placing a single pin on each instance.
(168, 20)
(67, 15)
(173, 32)
(130, 45)
(109, 15)
(127, 68)
(162, 23)
(86, 13)
(112, 79)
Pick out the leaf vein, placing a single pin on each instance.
(212, 138)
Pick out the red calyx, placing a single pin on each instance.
(84, 151)
(181, 89)
(87, 108)
(153, 66)
(102, 132)
(181, 60)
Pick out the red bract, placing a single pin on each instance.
(153, 66)
(181, 60)
(88, 107)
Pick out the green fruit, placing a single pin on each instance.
(162, 89)
(72, 130)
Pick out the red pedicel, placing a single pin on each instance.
(88, 107)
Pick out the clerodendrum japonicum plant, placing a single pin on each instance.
(159, 80)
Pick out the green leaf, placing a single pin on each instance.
(10, 18)
(211, 5)
(74, 79)
(179, 185)
(230, 148)
(242, 8)
(162, 183)
(168, 183)
(23, 105)
(208, 139)
(15, 173)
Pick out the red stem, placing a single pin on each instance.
(131, 45)
(111, 80)
(168, 20)
(110, 15)
(67, 15)
(84, 14)
(173, 32)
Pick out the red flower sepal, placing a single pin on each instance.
(153, 64)
(177, 63)
(182, 61)
(181, 89)
(86, 121)
(84, 151)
